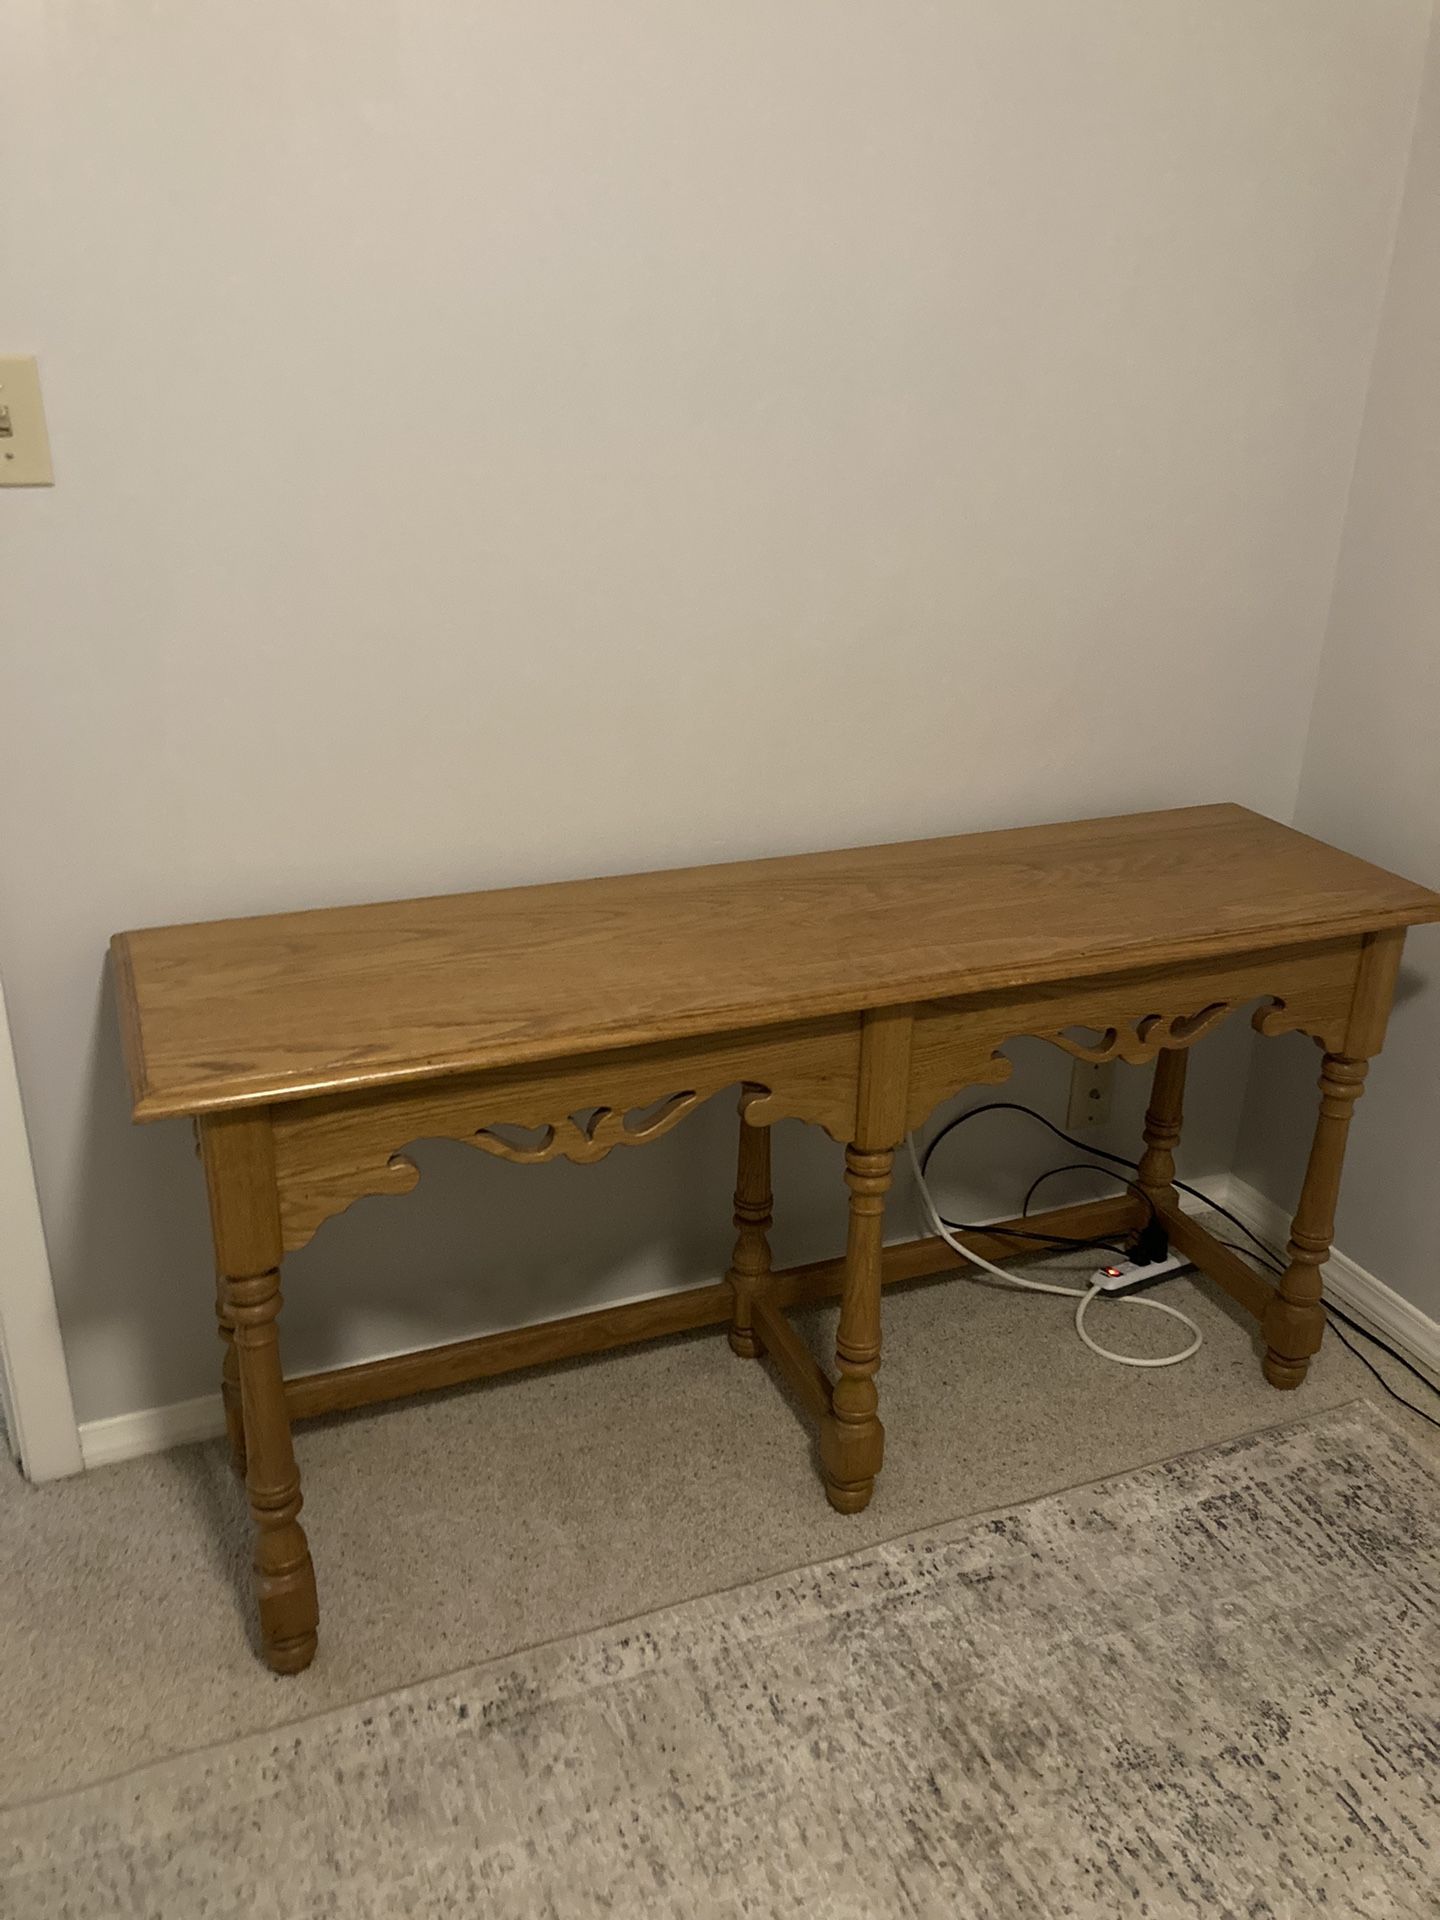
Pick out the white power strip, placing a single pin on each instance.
(1122, 1275)
(1123, 1281)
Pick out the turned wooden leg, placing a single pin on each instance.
(1156, 1178)
(1295, 1319)
(284, 1577)
(230, 1383)
(852, 1440)
(750, 1263)
(238, 1153)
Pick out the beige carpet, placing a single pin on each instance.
(1209, 1688)
(455, 1529)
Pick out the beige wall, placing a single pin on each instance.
(1371, 775)
(517, 441)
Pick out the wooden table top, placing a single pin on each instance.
(230, 1012)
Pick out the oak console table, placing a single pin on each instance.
(854, 990)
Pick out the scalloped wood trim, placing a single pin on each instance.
(330, 1153)
(959, 1044)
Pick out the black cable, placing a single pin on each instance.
(1100, 1153)
(1041, 1239)
(1249, 1253)
(1014, 1106)
(1015, 1233)
(1272, 1264)
(1335, 1314)
(1018, 1233)
(1233, 1218)
(1272, 1258)
(1088, 1166)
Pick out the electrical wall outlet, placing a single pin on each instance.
(1092, 1088)
(24, 443)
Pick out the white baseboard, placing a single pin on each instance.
(125, 1436)
(1377, 1308)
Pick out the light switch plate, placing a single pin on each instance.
(24, 443)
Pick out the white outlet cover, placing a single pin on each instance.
(1092, 1088)
(24, 442)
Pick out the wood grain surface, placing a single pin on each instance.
(490, 1354)
(228, 1013)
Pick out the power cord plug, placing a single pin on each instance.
(1152, 1244)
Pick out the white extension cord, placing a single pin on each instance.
(1082, 1295)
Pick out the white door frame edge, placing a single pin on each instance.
(34, 1385)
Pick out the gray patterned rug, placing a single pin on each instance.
(1209, 1688)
